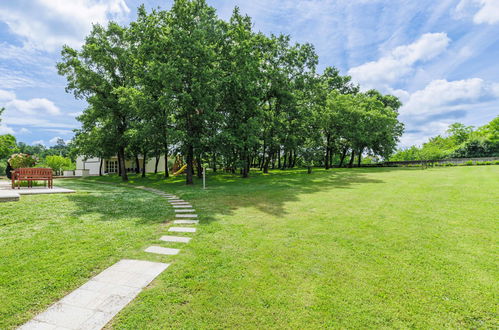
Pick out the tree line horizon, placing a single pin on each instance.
(185, 82)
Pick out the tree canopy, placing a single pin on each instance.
(184, 82)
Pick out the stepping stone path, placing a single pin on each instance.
(186, 215)
(177, 239)
(182, 229)
(162, 250)
(186, 222)
(96, 302)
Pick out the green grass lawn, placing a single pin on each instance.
(341, 248)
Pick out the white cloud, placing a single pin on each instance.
(483, 11)
(6, 95)
(400, 61)
(29, 107)
(48, 24)
(33, 106)
(54, 139)
(4, 129)
(442, 96)
(24, 130)
(38, 142)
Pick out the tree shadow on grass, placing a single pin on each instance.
(115, 202)
(227, 193)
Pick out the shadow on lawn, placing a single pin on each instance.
(225, 193)
(113, 202)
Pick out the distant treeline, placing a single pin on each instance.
(460, 142)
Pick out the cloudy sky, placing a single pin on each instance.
(440, 57)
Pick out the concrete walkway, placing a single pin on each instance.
(7, 194)
(95, 303)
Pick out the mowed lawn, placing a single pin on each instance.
(395, 247)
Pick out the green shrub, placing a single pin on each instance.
(58, 163)
(487, 163)
(496, 162)
(468, 163)
(22, 160)
(3, 166)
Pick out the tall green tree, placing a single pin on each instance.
(99, 73)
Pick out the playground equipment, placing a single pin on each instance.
(181, 170)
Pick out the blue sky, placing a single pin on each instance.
(440, 57)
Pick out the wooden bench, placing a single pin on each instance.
(30, 175)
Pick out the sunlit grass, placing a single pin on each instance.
(341, 248)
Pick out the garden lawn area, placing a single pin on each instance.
(344, 248)
(52, 244)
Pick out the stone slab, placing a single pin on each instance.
(96, 302)
(182, 206)
(171, 197)
(177, 239)
(182, 229)
(186, 215)
(175, 200)
(8, 196)
(179, 203)
(184, 210)
(186, 222)
(162, 250)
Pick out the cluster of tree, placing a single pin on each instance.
(461, 141)
(184, 82)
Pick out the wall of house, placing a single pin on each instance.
(91, 164)
(151, 163)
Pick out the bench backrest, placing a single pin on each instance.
(35, 172)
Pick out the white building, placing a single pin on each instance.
(110, 165)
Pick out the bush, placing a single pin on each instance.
(496, 162)
(58, 163)
(22, 160)
(3, 166)
(468, 163)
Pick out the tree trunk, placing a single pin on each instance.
(294, 159)
(309, 169)
(351, 159)
(121, 161)
(156, 164)
(144, 161)
(285, 162)
(343, 155)
(190, 169)
(360, 157)
(167, 173)
(326, 160)
(119, 166)
(266, 163)
(330, 157)
(100, 166)
(199, 167)
(279, 157)
(214, 163)
(137, 164)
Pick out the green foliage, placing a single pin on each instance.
(461, 142)
(58, 163)
(7, 145)
(21, 160)
(184, 82)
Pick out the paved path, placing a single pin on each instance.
(95, 303)
(7, 194)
